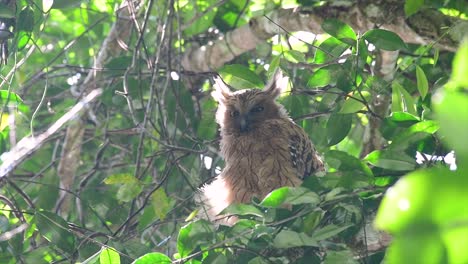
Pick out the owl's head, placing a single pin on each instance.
(243, 111)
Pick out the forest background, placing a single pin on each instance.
(107, 129)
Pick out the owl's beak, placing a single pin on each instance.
(244, 124)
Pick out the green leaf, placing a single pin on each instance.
(413, 134)
(343, 161)
(55, 229)
(301, 195)
(160, 203)
(130, 187)
(460, 67)
(153, 258)
(6, 11)
(120, 178)
(275, 198)
(450, 106)
(351, 105)
(289, 239)
(194, 234)
(423, 86)
(10, 97)
(242, 209)
(342, 257)
(323, 76)
(328, 231)
(26, 20)
(23, 39)
(338, 127)
(384, 39)
(62, 4)
(199, 20)
(340, 30)
(436, 55)
(397, 102)
(412, 6)
(258, 260)
(128, 192)
(403, 117)
(411, 202)
(290, 195)
(391, 160)
(109, 256)
(330, 50)
(402, 100)
(240, 77)
(419, 248)
(452, 113)
(294, 56)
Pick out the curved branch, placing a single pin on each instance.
(419, 29)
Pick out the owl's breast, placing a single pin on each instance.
(260, 160)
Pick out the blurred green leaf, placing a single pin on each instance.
(242, 209)
(55, 229)
(276, 197)
(109, 256)
(450, 106)
(403, 117)
(342, 257)
(460, 66)
(130, 187)
(160, 203)
(384, 39)
(351, 105)
(240, 77)
(328, 231)
(290, 195)
(61, 4)
(323, 76)
(194, 234)
(12, 98)
(198, 16)
(417, 248)
(23, 39)
(412, 6)
(340, 30)
(391, 160)
(6, 11)
(338, 127)
(120, 178)
(413, 134)
(423, 86)
(411, 202)
(416, 217)
(402, 100)
(294, 56)
(289, 239)
(26, 20)
(330, 50)
(153, 258)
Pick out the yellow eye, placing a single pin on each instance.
(257, 109)
(234, 113)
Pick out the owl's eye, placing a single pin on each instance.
(234, 113)
(257, 109)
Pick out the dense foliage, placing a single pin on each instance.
(150, 140)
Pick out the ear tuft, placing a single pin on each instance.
(221, 91)
(277, 84)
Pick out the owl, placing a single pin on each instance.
(262, 147)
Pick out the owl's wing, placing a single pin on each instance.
(304, 157)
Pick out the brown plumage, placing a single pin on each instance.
(262, 147)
